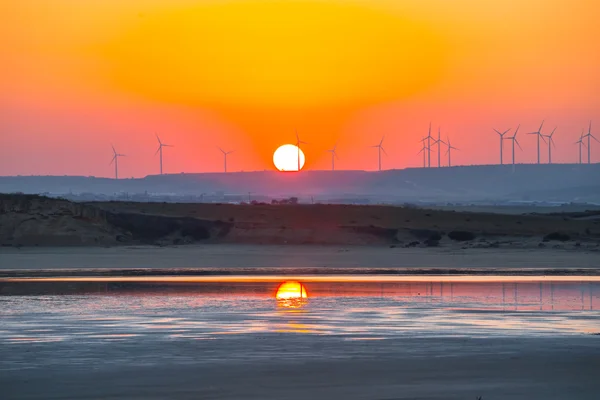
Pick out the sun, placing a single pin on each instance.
(291, 290)
(288, 158)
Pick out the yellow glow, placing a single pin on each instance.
(286, 157)
(284, 53)
(291, 290)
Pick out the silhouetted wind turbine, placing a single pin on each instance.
(514, 141)
(333, 156)
(501, 144)
(423, 151)
(580, 142)
(550, 144)
(589, 145)
(160, 146)
(438, 141)
(298, 142)
(539, 135)
(115, 160)
(379, 150)
(225, 154)
(449, 151)
(428, 138)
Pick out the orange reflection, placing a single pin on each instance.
(291, 290)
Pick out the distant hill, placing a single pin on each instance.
(555, 182)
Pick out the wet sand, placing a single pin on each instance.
(307, 367)
(292, 256)
(459, 344)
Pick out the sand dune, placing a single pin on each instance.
(39, 221)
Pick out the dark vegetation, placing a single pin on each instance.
(461, 236)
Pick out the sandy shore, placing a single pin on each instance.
(297, 367)
(289, 256)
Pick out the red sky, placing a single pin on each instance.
(78, 76)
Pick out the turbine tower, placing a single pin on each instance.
(333, 156)
(298, 142)
(379, 150)
(423, 151)
(539, 135)
(160, 147)
(428, 138)
(589, 145)
(580, 142)
(501, 144)
(225, 154)
(550, 144)
(438, 141)
(449, 151)
(115, 160)
(514, 141)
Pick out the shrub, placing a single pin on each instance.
(559, 236)
(461, 236)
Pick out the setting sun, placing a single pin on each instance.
(288, 158)
(291, 290)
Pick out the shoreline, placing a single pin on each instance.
(214, 259)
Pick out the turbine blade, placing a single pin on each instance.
(159, 147)
(517, 142)
(382, 149)
(594, 137)
(505, 132)
(381, 142)
(539, 130)
(517, 131)
(159, 142)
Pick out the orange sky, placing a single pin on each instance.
(77, 76)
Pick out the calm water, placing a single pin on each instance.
(114, 309)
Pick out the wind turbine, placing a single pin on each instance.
(225, 154)
(514, 140)
(501, 144)
(438, 141)
(379, 150)
(160, 146)
(298, 142)
(333, 156)
(115, 160)
(550, 144)
(580, 142)
(423, 151)
(449, 151)
(539, 135)
(589, 145)
(428, 138)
